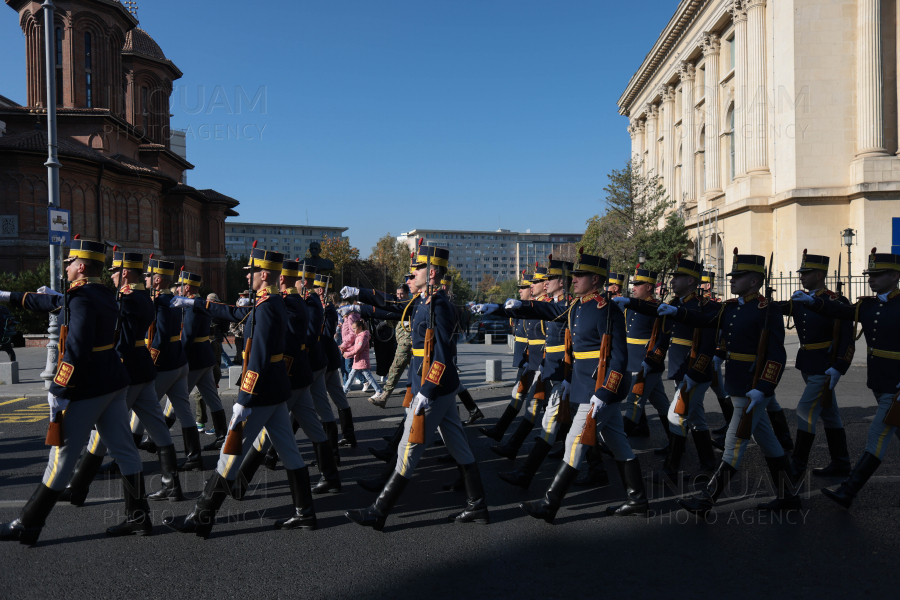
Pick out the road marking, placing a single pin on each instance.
(11, 401)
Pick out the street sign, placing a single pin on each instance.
(59, 219)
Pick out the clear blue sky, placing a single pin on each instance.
(390, 115)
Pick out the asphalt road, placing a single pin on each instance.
(820, 552)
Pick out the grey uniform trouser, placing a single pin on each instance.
(879, 433)
(550, 422)
(205, 382)
(610, 428)
(109, 414)
(141, 399)
(174, 385)
(325, 385)
(654, 391)
(277, 423)
(440, 414)
(762, 432)
(695, 419)
(302, 410)
(810, 407)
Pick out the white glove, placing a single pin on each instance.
(621, 301)
(239, 415)
(803, 298)
(539, 372)
(596, 406)
(421, 404)
(488, 308)
(350, 308)
(4, 296)
(665, 310)
(45, 290)
(756, 397)
(347, 291)
(646, 368)
(56, 404)
(835, 376)
(512, 303)
(689, 383)
(181, 301)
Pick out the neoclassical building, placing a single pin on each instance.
(773, 123)
(120, 176)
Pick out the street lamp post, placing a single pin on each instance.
(53, 166)
(847, 235)
(642, 257)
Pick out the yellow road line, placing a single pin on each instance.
(11, 401)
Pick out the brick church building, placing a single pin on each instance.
(120, 176)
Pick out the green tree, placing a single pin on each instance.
(664, 244)
(462, 290)
(339, 251)
(391, 257)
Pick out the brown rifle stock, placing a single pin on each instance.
(234, 441)
(55, 435)
(417, 429)
(589, 433)
(564, 414)
(745, 426)
(638, 388)
(892, 417)
(683, 403)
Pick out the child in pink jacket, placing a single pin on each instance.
(359, 352)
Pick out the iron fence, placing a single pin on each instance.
(853, 287)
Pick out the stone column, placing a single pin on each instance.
(668, 131)
(651, 137)
(739, 15)
(640, 128)
(756, 96)
(869, 81)
(687, 71)
(711, 46)
(632, 131)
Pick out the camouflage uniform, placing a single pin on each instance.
(401, 360)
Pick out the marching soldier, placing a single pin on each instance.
(822, 359)
(690, 355)
(708, 292)
(434, 402)
(614, 284)
(882, 356)
(402, 354)
(753, 331)
(195, 337)
(88, 390)
(465, 397)
(261, 402)
(591, 319)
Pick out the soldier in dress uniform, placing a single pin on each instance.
(643, 357)
(136, 313)
(822, 360)
(615, 283)
(743, 321)
(690, 355)
(465, 397)
(195, 337)
(708, 292)
(89, 389)
(590, 319)
(882, 360)
(435, 399)
(261, 402)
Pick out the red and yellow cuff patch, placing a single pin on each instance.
(435, 373)
(771, 371)
(249, 382)
(701, 363)
(154, 354)
(613, 381)
(848, 355)
(288, 361)
(64, 374)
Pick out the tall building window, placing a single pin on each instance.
(89, 100)
(145, 109)
(59, 66)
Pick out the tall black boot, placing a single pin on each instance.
(330, 483)
(561, 437)
(220, 424)
(522, 477)
(704, 503)
(636, 504)
(249, 466)
(393, 442)
(782, 431)
(137, 513)
(475, 413)
(27, 528)
(170, 420)
(304, 513)
(331, 430)
(146, 444)
(271, 458)
(375, 516)
(705, 453)
(496, 431)
(377, 484)
(349, 434)
(476, 510)
(840, 456)
(547, 507)
(168, 467)
(664, 450)
(670, 474)
(87, 468)
(194, 459)
(595, 475)
(200, 521)
(844, 495)
(784, 480)
(639, 429)
(802, 448)
(727, 412)
(137, 437)
(511, 448)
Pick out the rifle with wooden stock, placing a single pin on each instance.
(638, 388)
(234, 442)
(745, 426)
(417, 429)
(828, 393)
(683, 403)
(564, 415)
(55, 434)
(589, 433)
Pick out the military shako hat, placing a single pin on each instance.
(127, 260)
(268, 260)
(438, 257)
(708, 277)
(557, 268)
(879, 263)
(689, 268)
(323, 281)
(644, 276)
(188, 278)
(747, 263)
(86, 250)
(540, 274)
(811, 262)
(160, 267)
(588, 264)
(615, 279)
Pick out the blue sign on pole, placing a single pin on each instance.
(59, 220)
(895, 235)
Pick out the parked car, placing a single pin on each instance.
(495, 325)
